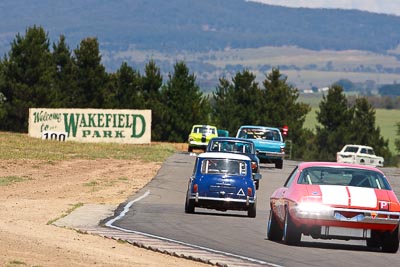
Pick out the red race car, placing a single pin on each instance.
(330, 200)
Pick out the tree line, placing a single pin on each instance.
(37, 74)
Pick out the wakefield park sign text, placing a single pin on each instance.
(91, 125)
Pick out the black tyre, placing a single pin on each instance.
(373, 243)
(252, 211)
(291, 235)
(257, 184)
(274, 232)
(390, 241)
(189, 205)
(375, 240)
(190, 149)
(279, 164)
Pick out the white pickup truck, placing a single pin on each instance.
(358, 154)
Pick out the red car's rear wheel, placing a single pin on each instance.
(274, 232)
(291, 235)
(390, 241)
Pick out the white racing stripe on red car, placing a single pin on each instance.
(348, 196)
(334, 195)
(362, 197)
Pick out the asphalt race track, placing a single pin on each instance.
(161, 213)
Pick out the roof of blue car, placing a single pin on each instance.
(223, 155)
(258, 127)
(231, 139)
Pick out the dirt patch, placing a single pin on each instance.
(36, 193)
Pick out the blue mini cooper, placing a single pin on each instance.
(237, 146)
(222, 181)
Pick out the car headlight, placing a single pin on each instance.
(313, 208)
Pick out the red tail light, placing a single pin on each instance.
(195, 188)
(249, 191)
(253, 165)
(285, 130)
(385, 216)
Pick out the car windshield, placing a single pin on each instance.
(260, 133)
(352, 149)
(204, 130)
(343, 176)
(224, 166)
(232, 146)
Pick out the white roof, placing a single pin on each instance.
(219, 155)
(358, 145)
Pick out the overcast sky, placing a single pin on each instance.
(378, 6)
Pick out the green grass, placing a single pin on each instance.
(21, 146)
(384, 118)
(7, 180)
(15, 263)
(311, 99)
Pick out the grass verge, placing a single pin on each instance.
(21, 146)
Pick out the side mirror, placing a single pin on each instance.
(257, 176)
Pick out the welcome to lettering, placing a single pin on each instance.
(44, 116)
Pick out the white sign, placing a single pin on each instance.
(91, 125)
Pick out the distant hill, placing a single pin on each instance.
(171, 27)
(199, 25)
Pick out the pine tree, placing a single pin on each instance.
(65, 82)
(247, 95)
(128, 88)
(280, 107)
(342, 124)
(335, 117)
(2, 97)
(224, 107)
(185, 104)
(235, 103)
(363, 130)
(151, 83)
(151, 86)
(397, 140)
(91, 76)
(27, 78)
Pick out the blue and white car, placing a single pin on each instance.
(222, 181)
(268, 141)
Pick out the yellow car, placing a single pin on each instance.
(200, 135)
